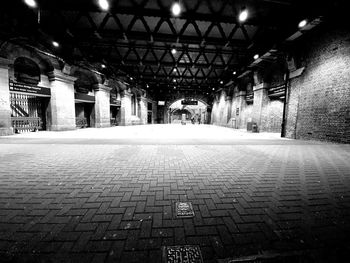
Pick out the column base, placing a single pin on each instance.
(103, 125)
(6, 131)
(62, 128)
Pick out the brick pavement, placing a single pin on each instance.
(115, 203)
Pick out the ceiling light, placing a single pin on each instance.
(103, 66)
(174, 80)
(176, 9)
(30, 3)
(256, 56)
(173, 51)
(131, 78)
(103, 4)
(213, 89)
(147, 86)
(174, 70)
(55, 44)
(243, 15)
(302, 23)
(234, 73)
(174, 87)
(221, 82)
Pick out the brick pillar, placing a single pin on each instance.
(241, 103)
(125, 108)
(5, 112)
(260, 100)
(102, 106)
(62, 105)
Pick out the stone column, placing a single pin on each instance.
(102, 106)
(144, 110)
(228, 103)
(5, 112)
(241, 103)
(62, 105)
(125, 108)
(260, 100)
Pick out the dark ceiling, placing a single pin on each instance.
(135, 37)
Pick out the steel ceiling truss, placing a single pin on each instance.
(135, 38)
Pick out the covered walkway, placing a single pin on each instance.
(109, 195)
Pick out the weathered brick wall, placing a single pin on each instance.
(245, 116)
(319, 100)
(271, 116)
(219, 112)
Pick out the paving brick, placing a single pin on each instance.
(246, 199)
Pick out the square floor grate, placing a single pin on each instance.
(182, 254)
(184, 209)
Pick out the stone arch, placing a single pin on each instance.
(26, 70)
(195, 97)
(86, 79)
(45, 61)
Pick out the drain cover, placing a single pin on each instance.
(182, 254)
(184, 209)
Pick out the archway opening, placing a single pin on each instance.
(28, 101)
(188, 111)
(26, 71)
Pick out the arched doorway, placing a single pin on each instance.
(28, 101)
(188, 110)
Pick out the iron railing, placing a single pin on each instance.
(26, 124)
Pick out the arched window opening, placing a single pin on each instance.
(26, 71)
(83, 84)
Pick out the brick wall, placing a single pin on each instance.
(271, 116)
(267, 113)
(319, 100)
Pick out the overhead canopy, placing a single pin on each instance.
(134, 38)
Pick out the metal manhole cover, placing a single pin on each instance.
(184, 209)
(182, 254)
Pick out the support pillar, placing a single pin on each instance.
(102, 106)
(144, 110)
(62, 102)
(241, 103)
(5, 112)
(228, 104)
(260, 100)
(125, 109)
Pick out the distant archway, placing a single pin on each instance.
(181, 111)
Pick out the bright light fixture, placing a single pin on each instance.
(147, 86)
(30, 3)
(103, 66)
(174, 80)
(256, 56)
(103, 4)
(243, 15)
(174, 69)
(234, 73)
(302, 23)
(213, 89)
(173, 51)
(176, 9)
(55, 44)
(221, 82)
(174, 87)
(131, 78)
